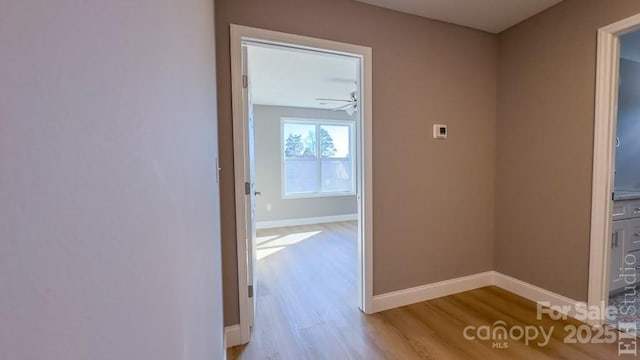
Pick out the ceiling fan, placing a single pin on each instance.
(350, 105)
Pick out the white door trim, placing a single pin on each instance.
(365, 226)
(604, 154)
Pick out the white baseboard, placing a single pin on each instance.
(305, 221)
(431, 291)
(534, 293)
(232, 336)
(439, 289)
(449, 287)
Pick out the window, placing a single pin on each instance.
(317, 158)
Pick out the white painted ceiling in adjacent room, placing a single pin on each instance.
(289, 77)
(492, 16)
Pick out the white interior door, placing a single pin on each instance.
(250, 186)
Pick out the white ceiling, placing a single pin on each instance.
(493, 16)
(289, 77)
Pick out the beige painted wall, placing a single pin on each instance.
(434, 200)
(545, 143)
(271, 206)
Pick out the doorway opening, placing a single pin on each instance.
(624, 258)
(302, 162)
(615, 217)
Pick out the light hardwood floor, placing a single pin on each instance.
(307, 309)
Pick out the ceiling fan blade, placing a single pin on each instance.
(345, 106)
(339, 100)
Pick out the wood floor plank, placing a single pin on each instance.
(307, 309)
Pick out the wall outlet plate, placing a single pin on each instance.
(440, 131)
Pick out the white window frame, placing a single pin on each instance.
(318, 159)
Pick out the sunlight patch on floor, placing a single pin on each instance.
(269, 245)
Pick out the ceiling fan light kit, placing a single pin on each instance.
(350, 106)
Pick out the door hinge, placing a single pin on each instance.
(247, 188)
(245, 81)
(218, 171)
(250, 291)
